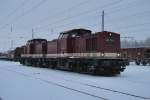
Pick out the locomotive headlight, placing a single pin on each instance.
(110, 34)
(118, 54)
(102, 54)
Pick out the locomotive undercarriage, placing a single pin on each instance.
(82, 65)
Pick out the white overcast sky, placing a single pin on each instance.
(130, 18)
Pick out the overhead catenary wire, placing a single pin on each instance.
(79, 14)
(122, 27)
(23, 14)
(107, 6)
(65, 10)
(120, 8)
(70, 23)
(133, 25)
(94, 25)
(45, 0)
(70, 8)
(36, 6)
(128, 16)
(16, 9)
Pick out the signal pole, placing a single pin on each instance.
(11, 29)
(52, 31)
(32, 33)
(12, 43)
(103, 21)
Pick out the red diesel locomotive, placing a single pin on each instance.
(77, 50)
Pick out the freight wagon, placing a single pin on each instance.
(140, 55)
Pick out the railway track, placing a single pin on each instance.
(59, 85)
(110, 90)
(106, 89)
(125, 93)
(81, 83)
(72, 89)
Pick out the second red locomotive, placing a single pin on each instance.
(77, 50)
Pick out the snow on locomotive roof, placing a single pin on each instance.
(37, 39)
(107, 32)
(76, 30)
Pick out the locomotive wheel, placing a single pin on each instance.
(144, 63)
(137, 62)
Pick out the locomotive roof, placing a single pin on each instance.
(38, 39)
(76, 30)
(108, 32)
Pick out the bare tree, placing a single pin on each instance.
(147, 42)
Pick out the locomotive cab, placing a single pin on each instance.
(67, 40)
(32, 49)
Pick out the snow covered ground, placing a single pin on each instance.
(18, 82)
